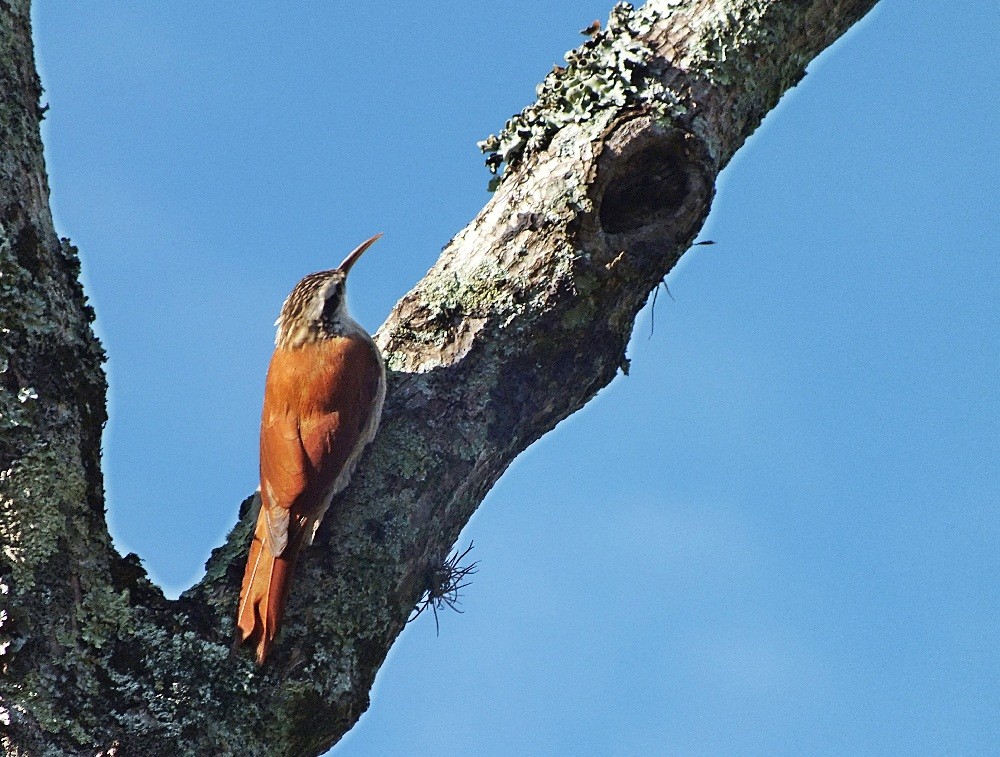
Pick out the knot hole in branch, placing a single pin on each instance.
(650, 187)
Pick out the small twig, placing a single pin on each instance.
(663, 282)
(443, 584)
(652, 310)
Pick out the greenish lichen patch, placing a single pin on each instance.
(103, 616)
(8, 642)
(444, 311)
(406, 455)
(581, 314)
(747, 50)
(32, 521)
(169, 690)
(21, 306)
(721, 55)
(22, 311)
(603, 76)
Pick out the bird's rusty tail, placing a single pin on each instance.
(265, 588)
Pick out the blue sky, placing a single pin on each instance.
(778, 535)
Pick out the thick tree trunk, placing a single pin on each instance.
(606, 180)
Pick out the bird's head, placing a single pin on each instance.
(317, 306)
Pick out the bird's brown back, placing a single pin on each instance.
(318, 400)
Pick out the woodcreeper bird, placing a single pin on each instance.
(322, 404)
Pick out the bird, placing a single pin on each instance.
(323, 400)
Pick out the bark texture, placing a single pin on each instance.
(605, 182)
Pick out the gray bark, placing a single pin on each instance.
(606, 180)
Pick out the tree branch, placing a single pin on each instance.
(605, 182)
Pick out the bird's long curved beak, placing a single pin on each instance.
(358, 251)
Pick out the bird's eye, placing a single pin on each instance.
(333, 296)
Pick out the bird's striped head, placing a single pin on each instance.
(317, 307)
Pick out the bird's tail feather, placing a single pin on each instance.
(264, 591)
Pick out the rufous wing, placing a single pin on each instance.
(318, 401)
